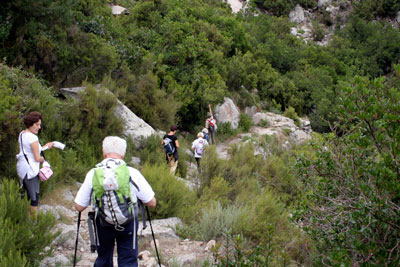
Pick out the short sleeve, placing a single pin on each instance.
(30, 138)
(83, 196)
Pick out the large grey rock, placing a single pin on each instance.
(227, 112)
(281, 126)
(237, 5)
(162, 228)
(67, 237)
(67, 212)
(297, 14)
(324, 3)
(398, 17)
(52, 210)
(134, 126)
(118, 10)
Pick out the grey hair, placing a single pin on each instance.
(114, 144)
(200, 135)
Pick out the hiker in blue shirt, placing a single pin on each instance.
(205, 135)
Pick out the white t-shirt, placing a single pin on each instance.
(145, 193)
(196, 144)
(23, 168)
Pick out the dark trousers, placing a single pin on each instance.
(127, 256)
(211, 135)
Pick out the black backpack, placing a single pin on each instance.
(168, 146)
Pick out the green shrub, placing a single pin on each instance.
(264, 210)
(218, 191)
(290, 112)
(318, 32)
(151, 151)
(264, 123)
(245, 122)
(211, 166)
(22, 236)
(216, 220)
(174, 198)
(225, 131)
(361, 161)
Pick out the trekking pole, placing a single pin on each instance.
(77, 236)
(152, 233)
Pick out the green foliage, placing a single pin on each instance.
(23, 236)
(173, 197)
(215, 220)
(151, 151)
(8, 114)
(264, 123)
(353, 189)
(318, 32)
(277, 7)
(245, 122)
(369, 9)
(290, 112)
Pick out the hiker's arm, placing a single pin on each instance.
(176, 143)
(151, 203)
(79, 207)
(36, 152)
(209, 107)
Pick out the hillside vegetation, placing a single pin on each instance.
(335, 201)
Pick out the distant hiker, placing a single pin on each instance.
(198, 146)
(211, 125)
(171, 145)
(205, 134)
(115, 189)
(29, 158)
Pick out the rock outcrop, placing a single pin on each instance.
(227, 112)
(134, 126)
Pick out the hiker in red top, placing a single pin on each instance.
(211, 125)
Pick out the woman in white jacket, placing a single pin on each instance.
(29, 159)
(198, 146)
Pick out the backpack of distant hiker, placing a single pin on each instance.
(213, 124)
(168, 145)
(112, 194)
(200, 147)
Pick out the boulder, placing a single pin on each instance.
(227, 112)
(297, 14)
(324, 3)
(67, 237)
(398, 17)
(52, 210)
(161, 228)
(119, 10)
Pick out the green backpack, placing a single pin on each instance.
(112, 195)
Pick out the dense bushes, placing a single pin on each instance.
(352, 205)
(173, 197)
(23, 238)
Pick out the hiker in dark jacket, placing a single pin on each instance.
(172, 157)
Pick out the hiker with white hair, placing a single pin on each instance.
(198, 146)
(116, 189)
